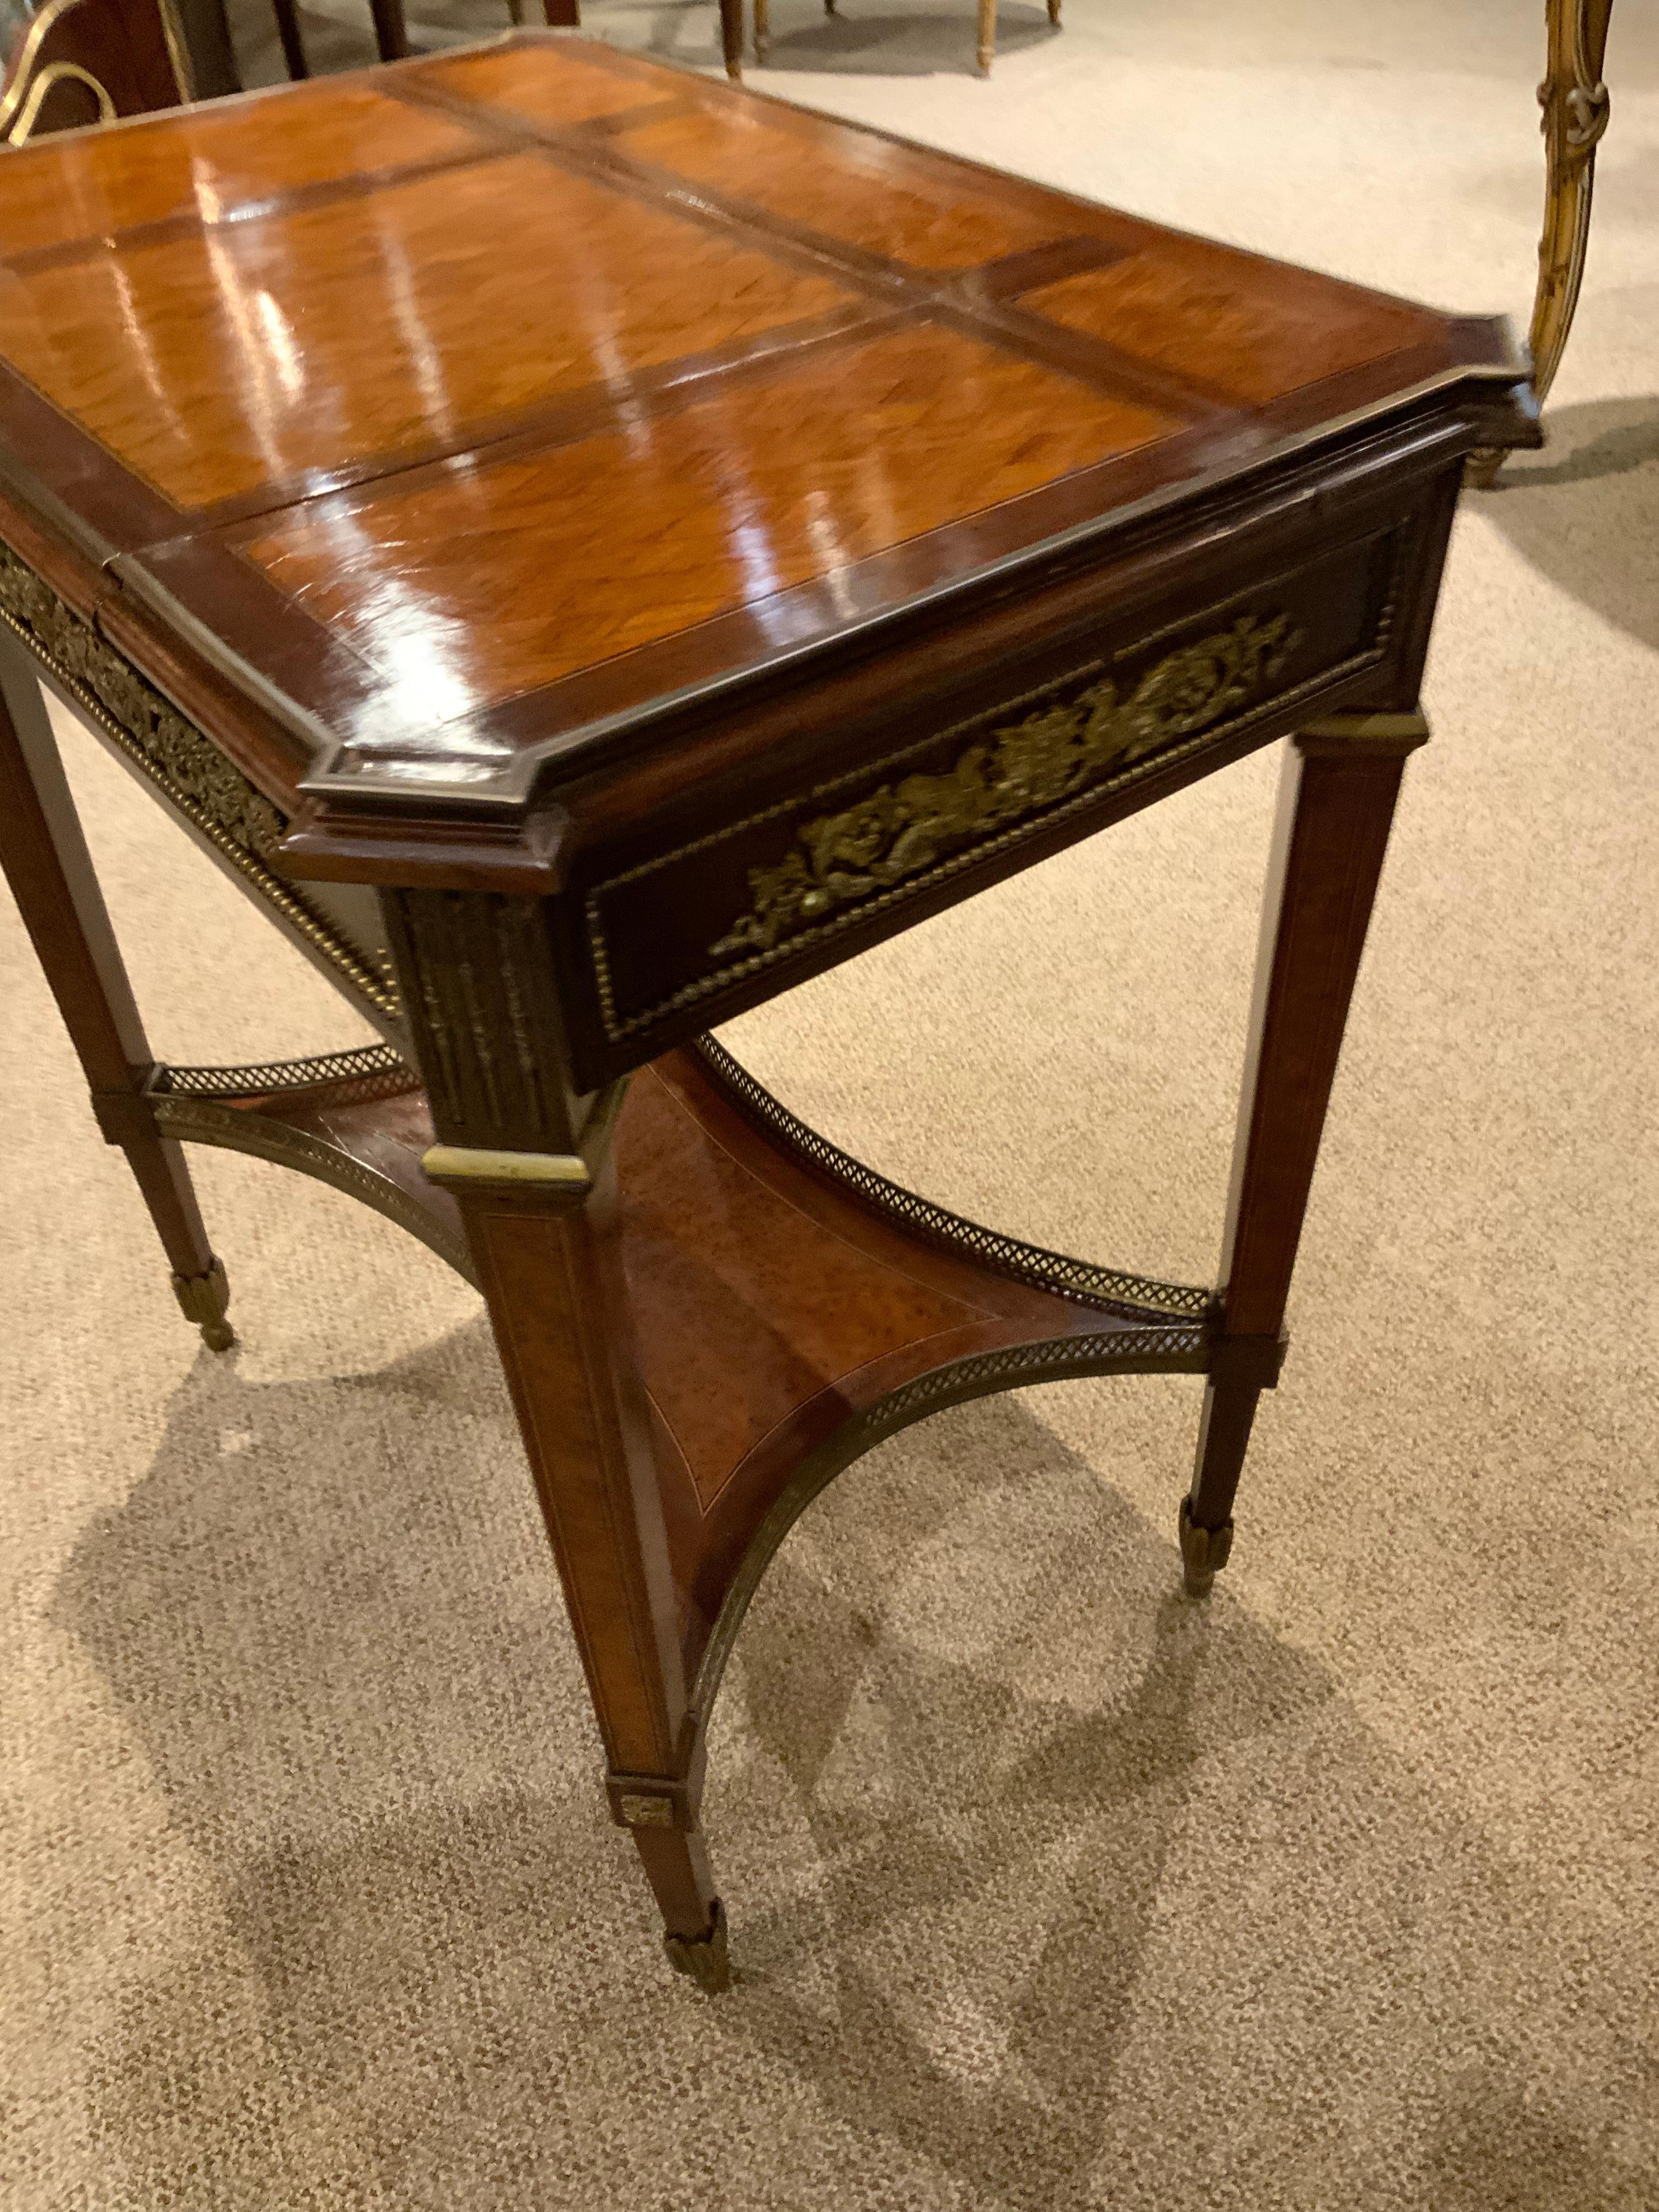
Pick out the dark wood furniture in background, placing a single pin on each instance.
(79, 62)
(832, 529)
(392, 29)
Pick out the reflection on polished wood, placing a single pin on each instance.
(343, 291)
(249, 308)
(644, 538)
(926, 217)
(829, 530)
(214, 170)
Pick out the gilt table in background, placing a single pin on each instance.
(589, 548)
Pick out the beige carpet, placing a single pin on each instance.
(1048, 1889)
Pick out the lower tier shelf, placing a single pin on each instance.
(792, 1308)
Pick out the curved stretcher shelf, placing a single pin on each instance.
(793, 1307)
(357, 1120)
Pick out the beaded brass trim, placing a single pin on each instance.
(193, 1119)
(185, 765)
(370, 1070)
(1138, 1297)
(1169, 1349)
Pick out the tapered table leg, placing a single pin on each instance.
(47, 863)
(529, 1162)
(1337, 795)
(550, 1267)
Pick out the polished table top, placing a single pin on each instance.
(463, 414)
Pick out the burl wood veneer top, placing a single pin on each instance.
(461, 411)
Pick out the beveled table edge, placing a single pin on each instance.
(361, 790)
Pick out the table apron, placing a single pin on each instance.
(929, 799)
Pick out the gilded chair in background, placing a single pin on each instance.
(985, 47)
(75, 62)
(1574, 99)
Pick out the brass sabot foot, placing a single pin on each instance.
(704, 1957)
(1204, 1551)
(205, 1299)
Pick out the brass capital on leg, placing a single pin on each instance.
(1204, 1551)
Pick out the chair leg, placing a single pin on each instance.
(515, 13)
(731, 38)
(287, 30)
(47, 863)
(390, 33)
(1574, 99)
(988, 35)
(763, 28)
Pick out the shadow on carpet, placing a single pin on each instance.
(1045, 1886)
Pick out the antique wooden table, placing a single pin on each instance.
(589, 548)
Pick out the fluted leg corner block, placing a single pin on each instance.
(205, 1299)
(1204, 1551)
